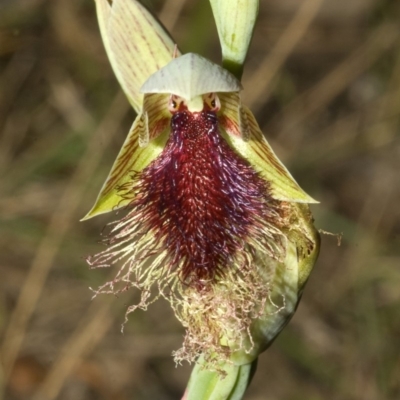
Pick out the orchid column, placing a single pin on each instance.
(214, 220)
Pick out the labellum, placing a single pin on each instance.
(210, 210)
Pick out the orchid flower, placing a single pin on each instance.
(213, 219)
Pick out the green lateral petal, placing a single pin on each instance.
(235, 21)
(136, 44)
(131, 158)
(245, 136)
(189, 76)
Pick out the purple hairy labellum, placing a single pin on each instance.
(203, 203)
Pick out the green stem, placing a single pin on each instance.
(230, 383)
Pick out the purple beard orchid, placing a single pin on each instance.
(213, 219)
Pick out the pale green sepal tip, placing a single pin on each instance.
(235, 20)
(185, 77)
(230, 383)
(103, 205)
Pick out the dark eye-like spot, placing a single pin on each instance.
(174, 105)
(213, 103)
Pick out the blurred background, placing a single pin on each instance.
(323, 78)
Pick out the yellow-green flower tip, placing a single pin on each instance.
(235, 23)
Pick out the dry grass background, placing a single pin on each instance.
(324, 80)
